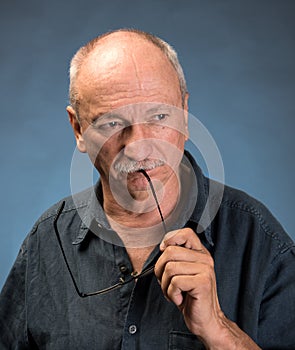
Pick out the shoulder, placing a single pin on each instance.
(71, 204)
(250, 216)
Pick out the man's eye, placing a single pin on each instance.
(160, 117)
(112, 125)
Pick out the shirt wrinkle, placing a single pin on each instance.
(282, 244)
(39, 306)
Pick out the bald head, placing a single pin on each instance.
(116, 52)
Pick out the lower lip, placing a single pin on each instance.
(140, 176)
(150, 172)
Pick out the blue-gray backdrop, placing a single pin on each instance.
(238, 57)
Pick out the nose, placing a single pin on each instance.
(138, 144)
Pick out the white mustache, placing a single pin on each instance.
(131, 166)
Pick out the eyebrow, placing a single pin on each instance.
(109, 115)
(106, 116)
(157, 109)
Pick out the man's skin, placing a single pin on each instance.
(125, 69)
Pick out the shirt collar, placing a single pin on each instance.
(201, 216)
(92, 213)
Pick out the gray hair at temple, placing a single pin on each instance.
(83, 52)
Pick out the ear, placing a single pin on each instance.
(185, 109)
(73, 118)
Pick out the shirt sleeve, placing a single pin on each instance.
(277, 312)
(13, 334)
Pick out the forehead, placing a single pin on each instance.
(127, 68)
(124, 50)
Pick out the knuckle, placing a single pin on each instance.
(174, 282)
(210, 261)
(157, 272)
(190, 234)
(170, 268)
(209, 270)
(169, 250)
(189, 231)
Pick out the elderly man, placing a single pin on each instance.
(97, 272)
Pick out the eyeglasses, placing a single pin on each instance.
(122, 281)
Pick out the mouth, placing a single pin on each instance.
(145, 174)
(141, 175)
(133, 167)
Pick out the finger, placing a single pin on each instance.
(199, 286)
(181, 255)
(178, 286)
(185, 237)
(173, 269)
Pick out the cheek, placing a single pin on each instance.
(171, 147)
(94, 144)
(103, 154)
(176, 141)
(175, 138)
(93, 148)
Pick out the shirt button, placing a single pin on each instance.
(132, 329)
(123, 269)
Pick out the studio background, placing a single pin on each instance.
(238, 57)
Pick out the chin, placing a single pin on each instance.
(136, 182)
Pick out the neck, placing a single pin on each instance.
(138, 219)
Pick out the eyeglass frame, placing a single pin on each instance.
(122, 281)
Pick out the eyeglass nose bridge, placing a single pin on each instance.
(135, 275)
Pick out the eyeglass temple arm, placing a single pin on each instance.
(121, 282)
(59, 211)
(155, 197)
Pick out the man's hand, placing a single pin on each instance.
(186, 273)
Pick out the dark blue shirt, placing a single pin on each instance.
(40, 309)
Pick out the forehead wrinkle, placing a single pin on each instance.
(111, 69)
(130, 53)
(107, 106)
(133, 59)
(115, 72)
